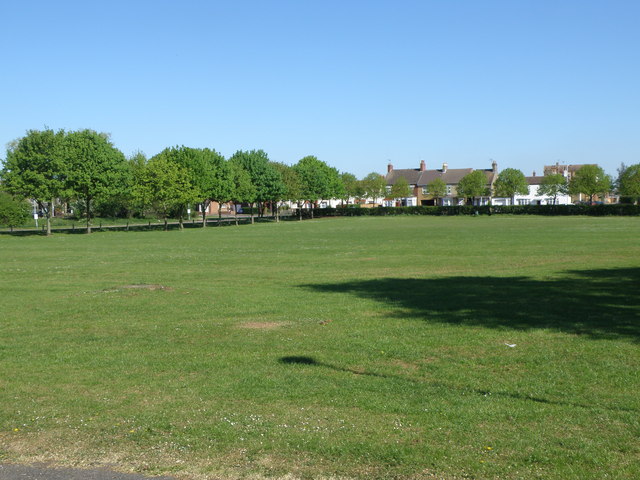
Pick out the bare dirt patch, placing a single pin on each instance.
(262, 325)
(405, 365)
(139, 286)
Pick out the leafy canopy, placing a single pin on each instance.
(165, 187)
(374, 186)
(629, 182)
(13, 211)
(318, 180)
(35, 167)
(264, 176)
(437, 188)
(473, 185)
(552, 185)
(590, 180)
(510, 182)
(400, 189)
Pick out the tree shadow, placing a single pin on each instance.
(311, 361)
(602, 303)
(304, 360)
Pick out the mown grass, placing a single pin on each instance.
(358, 347)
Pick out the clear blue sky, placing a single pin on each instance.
(356, 83)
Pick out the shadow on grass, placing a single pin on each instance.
(601, 303)
(310, 361)
(303, 360)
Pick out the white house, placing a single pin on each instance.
(533, 197)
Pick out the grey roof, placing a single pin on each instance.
(451, 176)
(411, 175)
(537, 180)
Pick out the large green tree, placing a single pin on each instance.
(473, 185)
(590, 180)
(553, 185)
(319, 180)
(629, 182)
(437, 189)
(95, 167)
(511, 182)
(35, 169)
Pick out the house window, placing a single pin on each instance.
(524, 201)
(446, 202)
(424, 190)
(449, 190)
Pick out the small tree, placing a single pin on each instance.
(437, 189)
(629, 182)
(319, 180)
(400, 189)
(166, 188)
(352, 187)
(243, 190)
(292, 185)
(473, 185)
(13, 212)
(591, 181)
(553, 184)
(374, 186)
(264, 176)
(510, 182)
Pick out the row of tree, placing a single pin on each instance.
(84, 167)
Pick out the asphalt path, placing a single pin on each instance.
(32, 472)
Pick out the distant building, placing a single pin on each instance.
(420, 178)
(535, 198)
(568, 171)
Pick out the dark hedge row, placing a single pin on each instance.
(552, 210)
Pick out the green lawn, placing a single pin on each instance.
(354, 347)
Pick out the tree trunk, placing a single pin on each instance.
(311, 207)
(166, 227)
(300, 211)
(219, 213)
(235, 213)
(251, 212)
(88, 215)
(181, 225)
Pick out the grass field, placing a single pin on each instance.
(356, 348)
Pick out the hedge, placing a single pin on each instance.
(550, 210)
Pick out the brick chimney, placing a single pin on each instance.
(389, 167)
(534, 173)
(494, 166)
(423, 166)
(444, 167)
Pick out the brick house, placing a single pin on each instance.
(419, 178)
